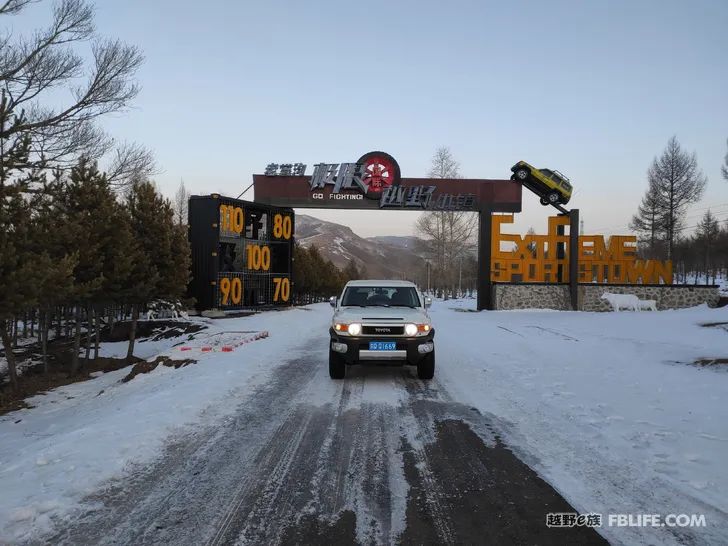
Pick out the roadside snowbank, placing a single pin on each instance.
(605, 406)
(80, 435)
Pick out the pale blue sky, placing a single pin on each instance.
(594, 89)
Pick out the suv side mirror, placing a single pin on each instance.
(428, 301)
(332, 301)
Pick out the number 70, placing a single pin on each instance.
(282, 289)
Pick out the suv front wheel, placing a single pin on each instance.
(337, 366)
(522, 174)
(426, 366)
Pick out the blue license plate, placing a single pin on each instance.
(382, 345)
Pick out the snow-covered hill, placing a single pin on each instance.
(384, 257)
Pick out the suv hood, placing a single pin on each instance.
(373, 314)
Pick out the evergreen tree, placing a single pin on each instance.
(164, 249)
(94, 219)
(648, 220)
(22, 267)
(318, 266)
(351, 272)
(50, 239)
(18, 267)
(333, 280)
(706, 239)
(302, 273)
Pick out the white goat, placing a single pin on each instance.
(622, 301)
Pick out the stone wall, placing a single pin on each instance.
(666, 296)
(556, 296)
(532, 296)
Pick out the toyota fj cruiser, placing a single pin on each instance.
(381, 321)
(550, 185)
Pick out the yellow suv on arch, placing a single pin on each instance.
(550, 185)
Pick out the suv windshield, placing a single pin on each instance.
(381, 296)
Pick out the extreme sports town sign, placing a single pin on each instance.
(374, 182)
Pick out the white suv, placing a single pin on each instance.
(381, 321)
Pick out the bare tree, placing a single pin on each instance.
(647, 220)
(447, 235)
(678, 182)
(130, 162)
(180, 204)
(724, 167)
(44, 69)
(444, 164)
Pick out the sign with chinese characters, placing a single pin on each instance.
(374, 182)
(285, 169)
(542, 258)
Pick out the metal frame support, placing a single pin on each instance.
(574, 258)
(485, 286)
(560, 254)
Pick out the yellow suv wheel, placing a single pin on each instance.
(522, 174)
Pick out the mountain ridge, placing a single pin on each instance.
(388, 256)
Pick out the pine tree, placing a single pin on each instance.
(648, 220)
(20, 267)
(165, 250)
(92, 217)
(706, 237)
(318, 271)
(302, 274)
(56, 253)
(351, 272)
(18, 291)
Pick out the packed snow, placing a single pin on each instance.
(609, 408)
(78, 436)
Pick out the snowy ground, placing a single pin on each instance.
(82, 434)
(699, 279)
(605, 406)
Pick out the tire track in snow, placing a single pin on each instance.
(378, 458)
(196, 470)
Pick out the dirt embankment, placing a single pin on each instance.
(33, 380)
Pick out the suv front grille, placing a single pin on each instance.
(382, 330)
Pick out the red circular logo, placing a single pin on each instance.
(379, 171)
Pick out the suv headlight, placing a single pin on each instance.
(354, 329)
(417, 329)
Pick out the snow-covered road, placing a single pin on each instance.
(379, 458)
(607, 407)
(260, 446)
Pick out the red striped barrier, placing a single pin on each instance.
(230, 347)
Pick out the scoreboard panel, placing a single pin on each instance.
(242, 253)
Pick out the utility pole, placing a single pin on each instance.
(460, 280)
(427, 263)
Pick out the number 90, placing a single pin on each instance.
(231, 290)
